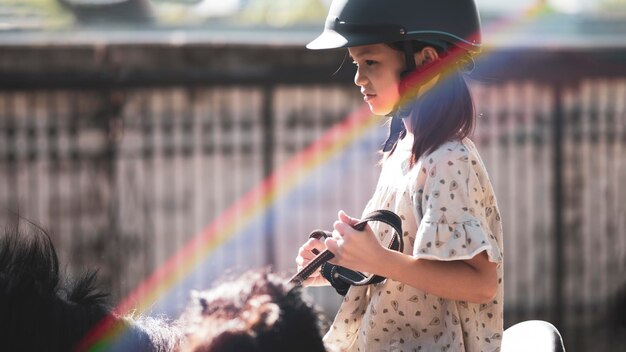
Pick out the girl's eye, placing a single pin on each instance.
(367, 62)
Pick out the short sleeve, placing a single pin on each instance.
(452, 201)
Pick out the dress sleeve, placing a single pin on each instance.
(452, 201)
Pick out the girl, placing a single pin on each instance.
(444, 291)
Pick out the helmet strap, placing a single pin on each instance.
(396, 131)
(396, 126)
(409, 60)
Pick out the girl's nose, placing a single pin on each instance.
(360, 79)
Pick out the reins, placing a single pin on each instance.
(342, 278)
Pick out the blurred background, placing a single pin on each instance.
(129, 127)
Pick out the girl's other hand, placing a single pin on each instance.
(305, 255)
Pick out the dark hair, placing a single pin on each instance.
(258, 312)
(445, 112)
(41, 312)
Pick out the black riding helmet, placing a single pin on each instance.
(364, 22)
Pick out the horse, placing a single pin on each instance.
(41, 310)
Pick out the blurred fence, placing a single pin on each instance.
(128, 157)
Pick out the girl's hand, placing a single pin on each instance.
(305, 255)
(356, 250)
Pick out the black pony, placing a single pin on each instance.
(41, 312)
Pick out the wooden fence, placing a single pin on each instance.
(127, 164)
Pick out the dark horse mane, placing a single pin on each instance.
(256, 312)
(39, 311)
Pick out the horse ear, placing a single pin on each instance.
(28, 261)
(84, 291)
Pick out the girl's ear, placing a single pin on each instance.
(426, 56)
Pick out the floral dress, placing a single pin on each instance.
(449, 212)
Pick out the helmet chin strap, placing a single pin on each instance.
(397, 129)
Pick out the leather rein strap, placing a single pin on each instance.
(355, 278)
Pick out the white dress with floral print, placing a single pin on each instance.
(448, 212)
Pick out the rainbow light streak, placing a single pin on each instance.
(237, 216)
(268, 191)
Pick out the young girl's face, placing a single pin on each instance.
(378, 74)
